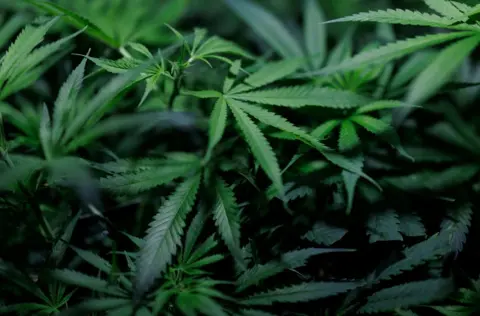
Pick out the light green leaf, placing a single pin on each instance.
(267, 26)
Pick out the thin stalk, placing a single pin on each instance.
(175, 92)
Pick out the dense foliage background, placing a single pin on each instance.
(239, 157)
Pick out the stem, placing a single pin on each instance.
(39, 215)
(176, 91)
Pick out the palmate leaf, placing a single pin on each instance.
(399, 16)
(456, 225)
(260, 147)
(409, 294)
(384, 226)
(226, 213)
(301, 293)
(388, 52)
(164, 233)
(299, 96)
(268, 27)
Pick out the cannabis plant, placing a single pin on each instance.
(151, 171)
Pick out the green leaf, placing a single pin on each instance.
(388, 52)
(93, 259)
(11, 26)
(350, 180)
(301, 293)
(381, 105)
(260, 147)
(324, 234)
(440, 70)
(348, 138)
(18, 51)
(164, 234)
(267, 26)
(45, 133)
(146, 178)
(86, 281)
(399, 16)
(299, 96)
(204, 94)
(269, 73)
(279, 122)
(416, 255)
(371, 124)
(115, 66)
(456, 225)
(411, 225)
(216, 45)
(445, 7)
(409, 294)
(217, 124)
(24, 167)
(251, 312)
(434, 180)
(411, 68)
(315, 33)
(289, 260)
(193, 232)
(384, 226)
(103, 304)
(226, 213)
(75, 20)
(326, 128)
(61, 245)
(65, 102)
